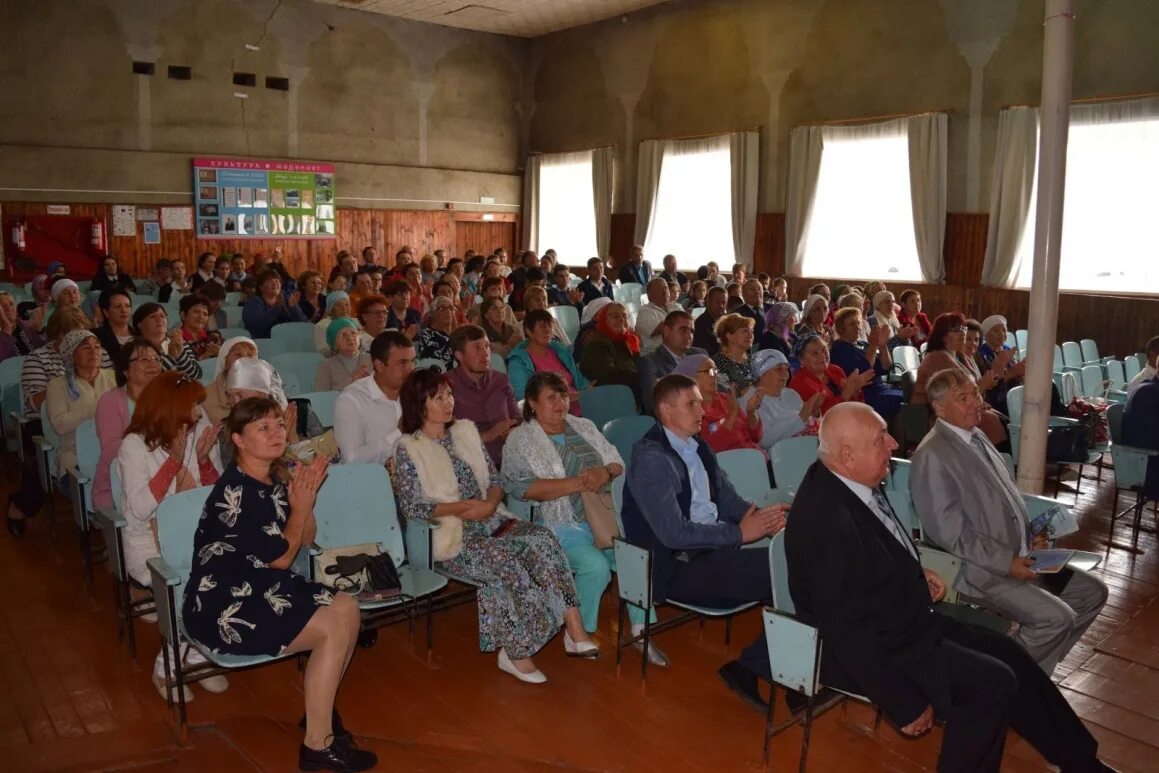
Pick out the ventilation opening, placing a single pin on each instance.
(180, 72)
(143, 68)
(278, 84)
(245, 79)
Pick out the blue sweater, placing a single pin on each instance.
(259, 317)
(520, 368)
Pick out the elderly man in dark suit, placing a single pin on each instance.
(854, 573)
(970, 505)
(675, 345)
(636, 269)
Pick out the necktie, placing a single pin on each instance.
(892, 523)
(1013, 495)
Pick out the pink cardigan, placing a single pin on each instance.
(112, 418)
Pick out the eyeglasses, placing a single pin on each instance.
(144, 359)
(710, 372)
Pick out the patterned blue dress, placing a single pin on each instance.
(234, 602)
(525, 582)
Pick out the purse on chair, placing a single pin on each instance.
(601, 517)
(362, 570)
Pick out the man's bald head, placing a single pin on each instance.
(854, 442)
(658, 292)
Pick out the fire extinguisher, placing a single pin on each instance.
(98, 236)
(18, 231)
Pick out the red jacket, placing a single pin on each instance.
(718, 437)
(806, 385)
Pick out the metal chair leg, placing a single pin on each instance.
(769, 723)
(647, 643)
(619, 635)
(808, 731)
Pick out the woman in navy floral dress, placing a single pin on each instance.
(242, 598)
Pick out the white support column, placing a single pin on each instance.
(1057, 69)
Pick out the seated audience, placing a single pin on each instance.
(534, 278)
(65, 294)
(987, 380)
(71, 398)
(675, 345)
(1141, 428)
(160, 284)
(216, 404)
(312, 301)
(734, 333)
(636, 270)
(1148, 371)
(205, 263)
(252, 543)
(874, 359)
(482, 394)
(970, 505)
(815, 318)
(420, 296)
(885, 315)
(214, 295)
(727, 424)
(194, 328)
(362, 285)
(753, 295)
(538, 352)
(237, 272)
(671, 274)
(366, 413)
(680, 506)
(817, 374)
(116, 317)
(373, 319)
(169, 446)
(536, 298)
(697, 293)
(36, 310)
(912, 316)
(780, 289)
(781, 411)
(855, 574)
(151, 322)
(704, 326)
(650, 317)
(18, 337)
(989, 351)
(270, 307)
(136, 364)
(560, 293)
(110, 277)
(337, 307)
(181, 282)
(587, 326)
(553, 459)
(611, 353)
(944, 350)
(503, 333)
(493, 287)
(525, 588)
(780, 321)
(713, 275)
(220, 274)
(434, 339)
(348, 362)
(852, 300)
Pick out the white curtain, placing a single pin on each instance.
(1015, 161)
(927, 175)
(602, 190)
(649, 159)
(745, 150)
(805, 145)
(531, 202)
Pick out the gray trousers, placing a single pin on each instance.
(1049, 625)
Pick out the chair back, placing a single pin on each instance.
(909, 382)
(356, 505)
(1058, 363)
(322, 404)
(295, 336)
(906, 356)
(430, 362)
(268, 348)
(625, 431)
(1014, 406)
(297, 369)
(1092, 380)
(697, 311)
(568, 318)
(1022, 337)
(747, 472)
(47, 429)
(233, 299)
(898, 477)
(1116, 374)
(233, 332)
(10, 371)
(1072, 355)
(791, 458)
(1131, 368)
(601, 404)
(633, 573)
(1089, 350)
(88, 451)
(794, 652)
(1011, 340)
(498, 363)
(1070, 388)
(779, 571)
(233, 315)
(177, 519)
(630, 292)
(1130, 465)
(140, 299)
(618, 501)
(1115, 421)
(208, 370)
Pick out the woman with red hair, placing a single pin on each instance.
(169, 446)
(943, 351)
(610, 355)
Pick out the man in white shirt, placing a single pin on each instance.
(650, 317)
(1148, 372)
(366, 414)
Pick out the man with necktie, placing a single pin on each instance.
(636, 269)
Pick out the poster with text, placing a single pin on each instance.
(244, 198)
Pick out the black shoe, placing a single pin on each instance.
(744, 683)
(15, 525)
(367, 638)
(336, 726)
(338, 756)
(823, 701)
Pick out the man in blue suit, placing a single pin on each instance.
(636, 269)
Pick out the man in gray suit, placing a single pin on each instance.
(675, 345)
(970, 505)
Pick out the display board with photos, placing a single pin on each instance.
(255, 199)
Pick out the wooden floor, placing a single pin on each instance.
(71, 698)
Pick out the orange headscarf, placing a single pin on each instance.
(629, 338)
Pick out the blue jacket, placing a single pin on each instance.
(259, 318)
(1141, 428)
(657, 501)
(520, 368)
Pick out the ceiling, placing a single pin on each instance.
(519, 18)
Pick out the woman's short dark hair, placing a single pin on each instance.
(124, 354)
(907, 294)
(535, 317)
(540, 382)
(105, 299)
(420, 386)
(189, 301)
(267, 275)
(973, 326)
(943, 324)
(146, 310)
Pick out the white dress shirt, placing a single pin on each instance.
(888, 520)
(648, 318)
(366, 423)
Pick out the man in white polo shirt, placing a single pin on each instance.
(366, 414)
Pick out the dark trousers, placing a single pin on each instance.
(30, 498)
(995, 684)
(725, 578)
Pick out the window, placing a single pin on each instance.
(1112, 187)
(693, 213)
(861, 224)
(567, 209)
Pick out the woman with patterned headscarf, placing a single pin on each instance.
(72, 397)
(780, 320)
(814, 317)
(611, 354)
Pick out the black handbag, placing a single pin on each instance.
(1069, 444)
(379, 571)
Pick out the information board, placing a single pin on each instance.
(254, 199)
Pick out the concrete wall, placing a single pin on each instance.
(412, 114)
(705, 66)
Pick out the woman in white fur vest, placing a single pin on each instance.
(444, 475)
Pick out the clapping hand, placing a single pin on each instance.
(936, 585)
(176, 344)
(294, 298)
(176, 449)
(1002, 359)
(305, 484)
(206, 441)
(812, 406)
(754, 402)
(907, 332)
(880, 335)
(854, 383)
(763, 522)
(362, 371)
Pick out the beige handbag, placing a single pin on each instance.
(601, 517)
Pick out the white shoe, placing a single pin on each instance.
(192, 658)
(159, 683)
(579, 649)
(505, 664)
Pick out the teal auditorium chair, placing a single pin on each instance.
(568, 318)
(1091, 381)
(322, 403)
(906, 356)
(297, 370)
(625, 431)
(1130, 475)
(208, 370)
(79, 479)
(498, 363)
(233, 315)
(748, 473)
(1090, 353)
(234, 331)
(791, 458)
(268, 348)
(111, 524)
(11, 401)
(295, 336)
(601, 404)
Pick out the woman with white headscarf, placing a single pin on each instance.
(587, 326)
(72, 398)
(885, 313)
(814, 314)
(251, 377)
(782, 412)
(217, 403)
(338, 306)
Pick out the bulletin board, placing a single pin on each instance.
(255, 199)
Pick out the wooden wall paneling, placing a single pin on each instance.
(623, 237)
(964, 247)
(485, 236)
(769, 246)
